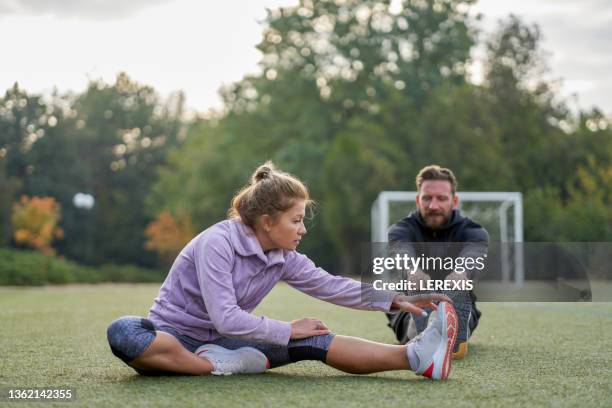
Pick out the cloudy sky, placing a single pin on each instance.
(197, 45)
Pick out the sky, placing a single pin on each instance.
(197, 46)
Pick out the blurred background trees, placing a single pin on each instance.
(35, 222)
(105, 142)
(354, 97)
(167, 236)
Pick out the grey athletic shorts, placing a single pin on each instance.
(129, 336)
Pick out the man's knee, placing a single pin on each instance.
(399, 323)
(129, 336)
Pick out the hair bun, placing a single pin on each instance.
(263, 172)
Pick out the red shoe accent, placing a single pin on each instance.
(267, 363)
(429, 371)
(451, 333)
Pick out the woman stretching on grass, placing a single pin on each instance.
(201, 322)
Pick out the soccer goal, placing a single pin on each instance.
(501, 213)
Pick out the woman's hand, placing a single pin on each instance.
(307, 327)
(414, 303)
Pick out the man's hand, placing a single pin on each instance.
(415, 303)
(307, 327)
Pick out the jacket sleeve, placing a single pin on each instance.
(214, 261)
(401, 243)
(302, 274)
(401, 240)
(476, 246)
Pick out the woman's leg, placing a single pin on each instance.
(166, 353)
(358, 356)
(312, 348)
(349, 354)
(136, 341)
(428, 354)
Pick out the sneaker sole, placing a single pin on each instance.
(461, 352)
(442, 359)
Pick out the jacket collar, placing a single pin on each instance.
(246, 244)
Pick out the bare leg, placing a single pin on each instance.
(166, 353)
(358, 356)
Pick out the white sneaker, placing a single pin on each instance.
(245, 360)
(430, 353)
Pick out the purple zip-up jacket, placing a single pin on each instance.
(223, 274)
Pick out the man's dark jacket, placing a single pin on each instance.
(458, 237)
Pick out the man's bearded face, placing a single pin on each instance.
(436, 202)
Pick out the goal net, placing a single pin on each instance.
(501, 213)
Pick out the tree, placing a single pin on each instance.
(582, 215)
(36, 223)
(105, 142)
(334, 77)
(23, 120)
(122, 132)
(531, 118)
(167, 235)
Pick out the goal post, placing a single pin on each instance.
(494, 210)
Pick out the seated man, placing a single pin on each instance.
(437, 230)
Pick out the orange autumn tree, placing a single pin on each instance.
(35, 222)
(167, 235)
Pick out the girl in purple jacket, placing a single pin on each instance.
(201, 322)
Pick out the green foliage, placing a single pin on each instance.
(32, 268)
(105, 142)
(23, 120)
(586, 213)
(327, 108)
(354, 97)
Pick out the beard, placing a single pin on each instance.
(435, 219)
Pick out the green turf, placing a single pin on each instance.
(523, 354)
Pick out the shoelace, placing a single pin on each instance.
(418, 337)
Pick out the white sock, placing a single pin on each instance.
(413, 359)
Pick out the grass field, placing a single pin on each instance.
(523, 354)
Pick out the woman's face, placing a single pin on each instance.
(287, 230)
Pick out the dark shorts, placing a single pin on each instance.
(129, 337)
